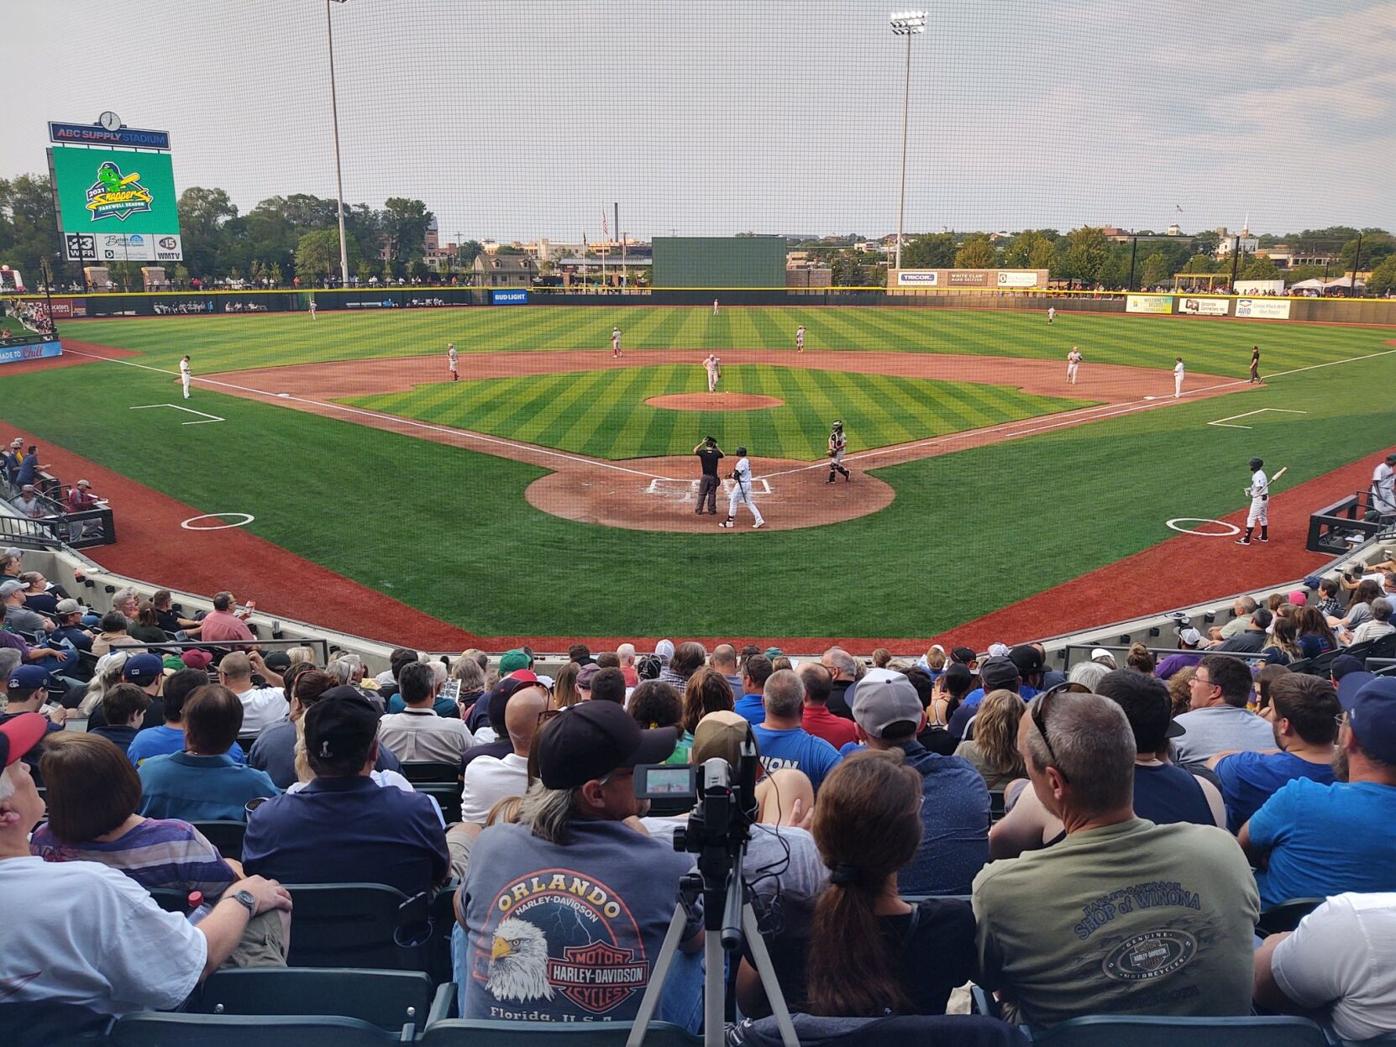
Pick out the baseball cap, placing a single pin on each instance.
(143, 669)
(999, 672)
(1190, 636)
(27, 487)
(1391, 457)
(1298, 597)
(1351, 684)
(998, 650)
(277, 660)
(1312, 581)
(963, 655)
(1372, 718)
(339, 723)
(719, 735)
(883, 701)
(774, 652)
(1344, 664)
(1027, 658)
(524, 676)
(592, 739)
(957, 676)
(28, 678)
(586, 674)
(511, 660)
(19, 734)
(664, 651)
(10, 588)
(194, 658)
(69, 606)
(84, 483)
(173, 663)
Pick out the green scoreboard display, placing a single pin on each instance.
(116, 205)
(719, 261)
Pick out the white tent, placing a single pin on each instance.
(1307, 285)
(1343, 281)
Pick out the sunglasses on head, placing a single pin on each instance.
(1039, 719)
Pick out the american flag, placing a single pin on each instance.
(605, 233)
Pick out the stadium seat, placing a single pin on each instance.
(428, 771)
(151, 1029)
(225, 835)
(43, 1023)
(446, 794)
(358, 925)
(1286, 915)
(387, 999)
(995, 804)
(950, 1030)
(1108, 1030)
(462, 1032)
(170, 899)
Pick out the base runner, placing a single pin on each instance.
(1259, 490)
(453, 361)
(741, 492)
(837, 443)
(1073, 363)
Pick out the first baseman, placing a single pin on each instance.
(741, 492)
(453, 361)
(714, 368)
(184, 375)
(1073, 363)
(1259, 490)
(837, 443)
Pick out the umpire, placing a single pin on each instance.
(709, 454)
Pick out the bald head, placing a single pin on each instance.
(521, 716)
(724, 659)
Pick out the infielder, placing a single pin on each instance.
(1073, 362)
(1384, 486)
(312, 308)
(1255, 365)
(800, 339)
(453, 361)
(714, 368)
(184, 375)
(1259, 490)
(714, 306)
(1051, 314)
(741, 492)
(837, 443)
(615, 343)
(1178, 378)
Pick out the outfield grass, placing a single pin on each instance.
(448, 530)
(604, 414)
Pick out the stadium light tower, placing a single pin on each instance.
(338, 169)
(907, 24)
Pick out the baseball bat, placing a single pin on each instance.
(1280, 473)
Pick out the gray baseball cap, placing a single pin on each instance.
(10, 588)
(883, 698)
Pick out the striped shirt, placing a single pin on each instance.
(156, 853)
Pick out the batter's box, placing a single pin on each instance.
(687, 490)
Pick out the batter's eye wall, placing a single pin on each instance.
(719, 261)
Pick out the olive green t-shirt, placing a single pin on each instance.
(1130, 918)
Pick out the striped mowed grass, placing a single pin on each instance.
(603, 414)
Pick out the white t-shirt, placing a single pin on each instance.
(262, 707)
(489, 779)
(83, 933)
(1344, 953)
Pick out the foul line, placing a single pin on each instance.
(1222, 422)
(206, 417)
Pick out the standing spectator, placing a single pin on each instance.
(993, 751)
(786, 744)
(842, 671)
(261, 706)
(488, 779)
(1311, 840)
(1303, 712)
(756, 670)
(1218, 719)
(203, 783)
(817, 719)
(955, 815)
(123, 709)
(222, 625)
(1056, 938)
(706, 692)
(418, 733)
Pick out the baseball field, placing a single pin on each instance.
(548, 493)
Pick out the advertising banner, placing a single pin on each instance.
(11, 354)
(96, 134)
(1017, 278)
(67, 308)
(515, 297)
(967, 278)
(120, 194)
(917, 277)
(1149, 303)
(1263, 308)
(1203, 306)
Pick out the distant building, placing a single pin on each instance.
(504, 270)
(430, 241)
(808, 276)
(1174, 230)
(1243, 241)
(1286, 257)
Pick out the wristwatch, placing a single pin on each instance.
(247, 901)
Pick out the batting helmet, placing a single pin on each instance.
(1256, 463)
(838, 425)
(741, 452)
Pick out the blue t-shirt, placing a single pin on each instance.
(1325, 840)
(752, 707)
(199, 788)
(954, 824)
(163, 740)
(796, 749)
(1248, 779)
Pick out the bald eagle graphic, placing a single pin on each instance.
(518, 962)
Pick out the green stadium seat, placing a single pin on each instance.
(151, 1029)
(903, 1030)
(170, 899)
(1286, 915)
(461, 1032)
(227, 836)
(358, 925)
(428, 771)
(387, 999)
(446, 794)
(1108, 1030)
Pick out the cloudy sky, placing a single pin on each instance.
(516, 119)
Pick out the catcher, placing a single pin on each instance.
(837, 443)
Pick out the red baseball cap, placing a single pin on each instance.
(19, 734)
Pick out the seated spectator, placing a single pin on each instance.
(489, 779)
(1303, 712)
(387, 681)
(724, 660)
(147, 672)
(654, 704)
(18, 617)
(1282, 646)
(1315, 634)
(417, 733)
(82, 934)
(173, 623)
(472, 685)
(1311, 840)
(496, 703)
(907, 957)
(1250, 639)
(38, 594)
(1218, 720)
(955, 815)
(169, 736)
(843, 672)
(113, 634)
(1339, 964)
(1378, 625)
(702, 695)
(1241, 611)
(261, 706)
(26, 692)
(564, 687)
(607, 685)
(1358, 611)
(274, 751)
(529, 935)
(1140, 659)
(1329, 602)
(817, 719)
(626, 653)
(756, 670)
(783, 742)
(948, 694)
(585, 674)
(69, 615)
(993, 751)
(1061, 932)
(123, 709)
(203, 783)
(342, 827)
(222, 625)
(995, 674)
(580, 653)
(688, 659)
(146, 627)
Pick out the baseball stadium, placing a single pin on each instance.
(425, 417)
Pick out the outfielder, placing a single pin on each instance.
(800, 339)
(615, 343)
(184, 375)
(1073, 362)
(714, 306)
(453, 361)
(837, 443)
(741, 492)
(312, 308)
(714, 368)
(1051, 314)
(1178, 378)
(1259, 490)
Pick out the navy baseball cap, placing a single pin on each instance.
(341, 722)
(592, 739)
(28, 678)
(143, 669)
(1351, 684)
(1373, 718)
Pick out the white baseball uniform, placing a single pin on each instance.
(1073, 361)
(312, 308)
(714, 306)
(453, 358)
(800, 338)
(615, 341)
(714, 368)
(1384, 488)
(1260, 500)
(741, 492)
(1178, 379)
(184, 376)
(1051, 313)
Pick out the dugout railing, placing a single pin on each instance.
(1349, 522)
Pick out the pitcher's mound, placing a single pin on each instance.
(714, 402)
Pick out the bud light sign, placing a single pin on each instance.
(508, 298)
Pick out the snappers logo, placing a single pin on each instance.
(115, 195)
